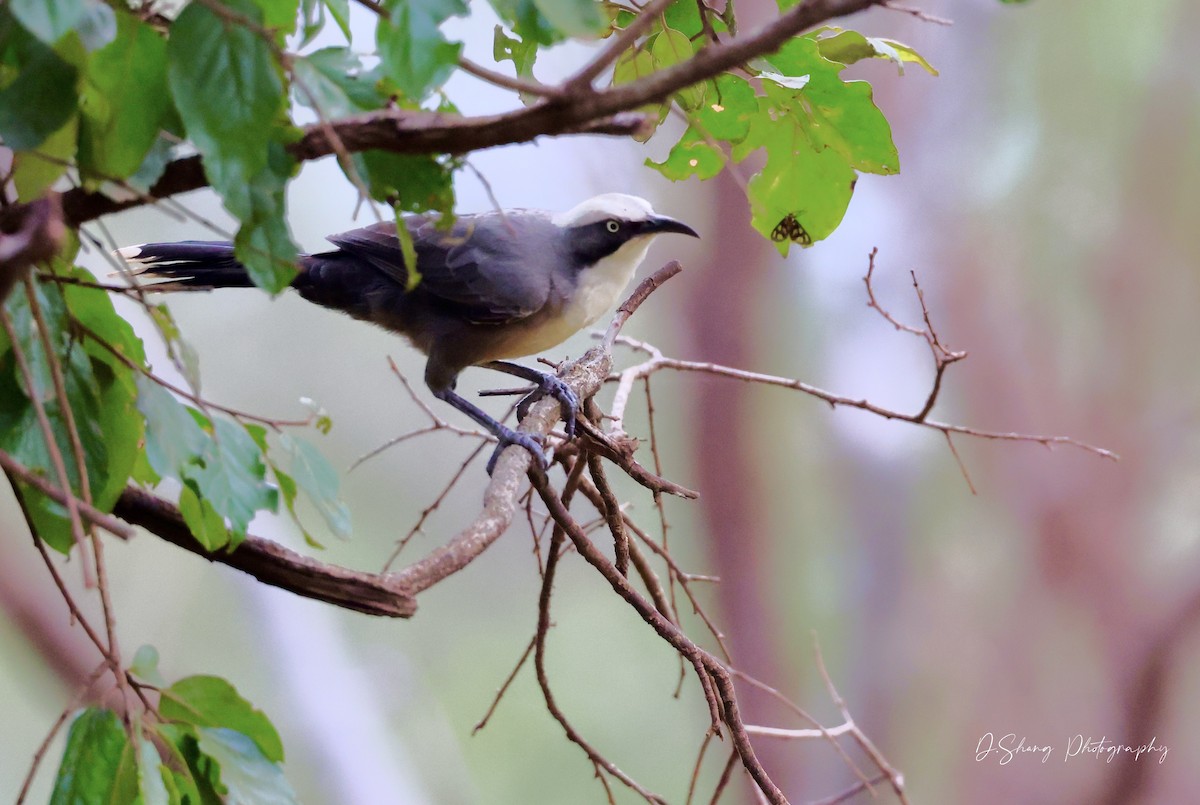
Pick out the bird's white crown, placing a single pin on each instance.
(607, 205)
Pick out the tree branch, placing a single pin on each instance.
(273, 564)
(579, 111)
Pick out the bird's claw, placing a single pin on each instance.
(558, 389)
(531, 442)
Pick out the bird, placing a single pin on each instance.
(489, 286)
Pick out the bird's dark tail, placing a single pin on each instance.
(187, 264)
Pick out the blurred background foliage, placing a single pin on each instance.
(1048, 203)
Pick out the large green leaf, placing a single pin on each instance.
(527, 21)
(37, 87)
(123, 100)
(51, 20)
(231, 476)
(691, 156)
(312, 473)
(34, 172)
(334, 81)
(230, 95)
(210, 701)
(96, 762)
(573, 17)
(219, 463)
(411, 46)
(849, 47)
(100, 390)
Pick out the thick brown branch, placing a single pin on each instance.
(274, 564)
(582, 111)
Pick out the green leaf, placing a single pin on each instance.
(264, 243)
(729, 105)
(191, 773)
(812, 186)
(246, 775)
(173, 437)
(631, 65)
(151, 785)
(100, 391)
(409, 182)
(320, 482)
(334, 81)
(35, 171)
(219, 463)
(230, 476)
(90, 771)
(229, 94)
(521, 52)
(279, 14)
(38, 95)
(580, 18)
(671, 47)
(340, 11)
(411, 47)
(849, 47)
(525, 19)
(210, 701)
(48, 20)
(691, 156)
(205, 523)
(124, 100)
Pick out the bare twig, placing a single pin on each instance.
(535, 88)
(834, 400)
(714, 677)
(924, 16)
(893, 776)
(557, 538)
(487, 716)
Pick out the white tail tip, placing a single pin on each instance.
(130, 256)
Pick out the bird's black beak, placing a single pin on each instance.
(659, 224)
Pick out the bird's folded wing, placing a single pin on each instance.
(484, 264)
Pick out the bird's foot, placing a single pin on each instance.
(509, 437)
(558, 389)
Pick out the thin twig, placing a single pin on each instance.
(924, 16)
(504, 686)
(87, 511)
(518, 84)
(56, 457)
(557, 538)
(615, 46)
(893, 776)
(44, 746)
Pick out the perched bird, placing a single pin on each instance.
(494, 285)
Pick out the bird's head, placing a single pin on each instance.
(614, 224)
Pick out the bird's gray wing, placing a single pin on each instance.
(483, 264)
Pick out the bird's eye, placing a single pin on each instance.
(612, 226)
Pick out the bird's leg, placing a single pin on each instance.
(504, 434)
(546, 384)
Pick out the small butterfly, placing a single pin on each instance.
(790, 229)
